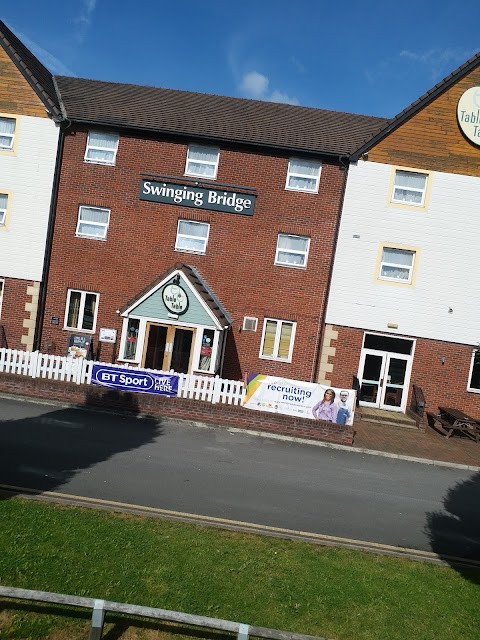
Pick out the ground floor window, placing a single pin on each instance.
(131, 339)
(277, 339)
(81, 310)
(474, 377)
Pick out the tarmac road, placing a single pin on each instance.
(219, 473)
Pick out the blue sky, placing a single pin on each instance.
(372, 57)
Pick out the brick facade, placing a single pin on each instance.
(18, 312)
(239, 261)
(442, 384)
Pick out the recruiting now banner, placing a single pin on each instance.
(297, 398)
(134, 380)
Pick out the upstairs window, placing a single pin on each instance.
(277, 340)
(7, 133)
(2, 284)
(409, 188)
(3, 208)
(397, 265)
(93, 223)
(192, 236)
(202, 161)
(81, 310)
(303, 175)
(101, 147)
(292, 251)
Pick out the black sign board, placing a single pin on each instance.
(198, 197)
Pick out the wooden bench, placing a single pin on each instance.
(436, 421)
(439, 423)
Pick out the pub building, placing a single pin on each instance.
(198, 229)
(405, 299)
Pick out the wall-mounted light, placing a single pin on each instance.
(450, 310)
(442, 359)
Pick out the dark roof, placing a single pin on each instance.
(197, 283)
(38, 76)
(215, 118)
(421, 102)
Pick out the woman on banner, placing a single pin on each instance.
(326, 409)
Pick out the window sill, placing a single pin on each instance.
(291, 266)
(201, 178)
(103, 164)
(473, 390)
(313, 191)
(77, 235)
(87, 331)
(275, 359)
(197, 253)
(402, 283)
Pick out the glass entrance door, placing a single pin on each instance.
(168, 347)
(384, 379)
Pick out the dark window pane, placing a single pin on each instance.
(388, 343)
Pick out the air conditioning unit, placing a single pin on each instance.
(250, 324)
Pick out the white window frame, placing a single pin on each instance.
(292, 251)
(205, 162)
(276, 343)
(9, 148)
(2, 293)
(469, 384)
(81, 312)
(394, 264)
(101, 225)
(3, 212)
(295, 174)
(184, 235)
(100, 148)
(423, 191)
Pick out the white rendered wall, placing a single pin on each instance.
(447, 234)
(27, 175)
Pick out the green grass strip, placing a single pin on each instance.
(337, 593)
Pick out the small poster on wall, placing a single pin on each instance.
(79, 346)
(297, 398)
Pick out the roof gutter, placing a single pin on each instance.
(193, 136)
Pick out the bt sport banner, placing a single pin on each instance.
(297, 398)
(133, 380)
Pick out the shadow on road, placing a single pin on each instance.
(455, 531)
(50, 446)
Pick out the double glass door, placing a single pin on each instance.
(384, 379)
(168, 347)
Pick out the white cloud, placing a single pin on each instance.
(438, 61)
(255, 85)
(84, 19)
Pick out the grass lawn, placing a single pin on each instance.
(341, 594)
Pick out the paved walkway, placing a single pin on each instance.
(429, 445)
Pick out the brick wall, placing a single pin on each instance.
(442, 384)
(196, 410)
(18, 312)
(238, 265)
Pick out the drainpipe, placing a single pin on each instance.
(344, 162)
(49, 238)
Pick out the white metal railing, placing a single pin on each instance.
(78, 370)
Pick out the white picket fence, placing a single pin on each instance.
(78, 370)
